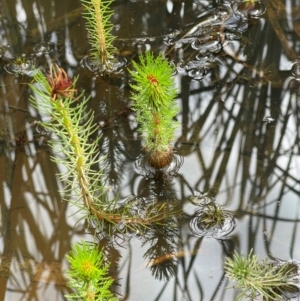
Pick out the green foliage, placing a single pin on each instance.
(71, 127)
(154, 88)
(88, 274)
(75, 145)
(212, 215)
(97, 14)
(153, 95)
(255, 277)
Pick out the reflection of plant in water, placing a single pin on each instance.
(262, 278)
(240, 114)
(163, 245)
(88, 274)
(153, 96)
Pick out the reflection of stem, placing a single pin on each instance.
(272, 16)
(58, 22)
(265, 74)
(111, 119)
(170, 256)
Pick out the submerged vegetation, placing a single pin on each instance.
(153, 95)
(264, 278)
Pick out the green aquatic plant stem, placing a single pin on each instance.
(72, 127)
(255, 277)
(88, 274)
(153, 95)
(97, 14)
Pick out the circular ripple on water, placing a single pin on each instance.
(114, 65)
(210, 46)
(296, 70)
(43, 48)
(248, 9)
(292, 268)
(136, 213)
(21, 65)
(211, 228)
(222, 14)
(197, 74)
(170, 39)
(196, 69)
(147, 171)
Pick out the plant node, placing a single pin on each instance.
(160, 158)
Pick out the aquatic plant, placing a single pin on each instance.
(75, 144)
(254, 277)
(88, 274)
(211, 219)
(213, 216)
(153, 94)
(97, 14)
(55, 97)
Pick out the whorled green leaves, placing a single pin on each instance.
(75, 144)
(88, 274)
(153, 94)
(97, 14)
(154, 83)
(254, 277)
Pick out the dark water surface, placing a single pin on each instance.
(238, 144)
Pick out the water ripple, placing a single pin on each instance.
(112, 66)
(147, 171)
(248, 9)
(20, 65)
(211, 220)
